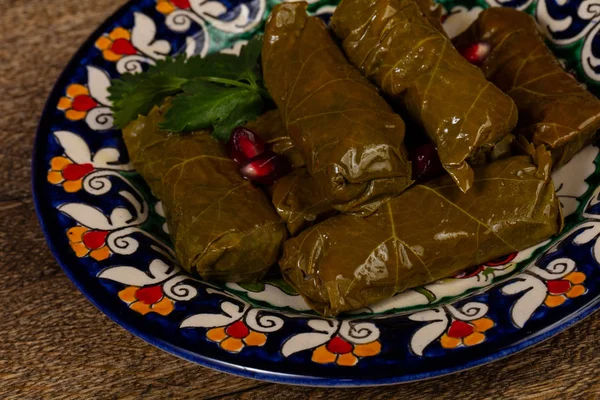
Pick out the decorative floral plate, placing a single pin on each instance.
(108, 231)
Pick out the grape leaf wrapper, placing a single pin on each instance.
(554, 109)
(429, 232)
(222, 227)
(347, 134)
(271, 129)
(396, 46)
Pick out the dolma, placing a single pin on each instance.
(430, 231)
(554, 109)
(299, 201)
(396, 46)
(222, 227)
(271, 129)
(349, 137)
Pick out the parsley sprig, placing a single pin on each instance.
(220, 91)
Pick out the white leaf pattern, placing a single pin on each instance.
(303, 341)
(74, 146)
(98, 83)
(87, 216)
(534, 293)
(207, 321)
(142, 37)
(324, 325)
(128, 276)
(425, 335)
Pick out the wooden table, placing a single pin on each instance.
(54, 344)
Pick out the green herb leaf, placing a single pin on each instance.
(249, 59)
(248, 107)
(219, 91)
(206, 105)
(146, 93)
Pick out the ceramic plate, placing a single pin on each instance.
(109, 234)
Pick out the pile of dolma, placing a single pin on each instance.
(361, 229)
(396, 46)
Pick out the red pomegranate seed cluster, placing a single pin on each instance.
(257, 163)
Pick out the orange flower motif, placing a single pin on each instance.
(168, 6)
(65, 172)
(344, 353)
(77, 102)
(147, 299)
(116, 44)
(236, 336)
(559, 290)
(85, 241)
(466, 333)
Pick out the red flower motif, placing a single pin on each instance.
(466, 333)
(341, 352)
(77, 102)
(501, 260)
(559, 290)
(234, 337)
(497, 262)
(86, 242)
(168, 6)
(469, 272)
(116, 44)
(147, 299)
(65, 172)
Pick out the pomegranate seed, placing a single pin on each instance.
(94, 239)
(84, 103)
(337, 345)
(476, 53)
(149, 295)
(72, 172)
(237, 330)
(460, 329)
(558, 286)
(244, 145)
(123, 46)
(266, 168)
(426, 163)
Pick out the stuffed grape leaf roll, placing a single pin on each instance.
(400, 49)
(271, 129)
(349, 137)
(428, 232)
(554, 109)
(300, 201)
(222, 227)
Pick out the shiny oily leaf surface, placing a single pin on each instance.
(347, 134)
(398, 47)
(207, 202)
(427, 233)
(554, 109)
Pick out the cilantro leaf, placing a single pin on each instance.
(144, 95)
(210, 105)
(249, 60)
(218, 91)
(248, 107)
